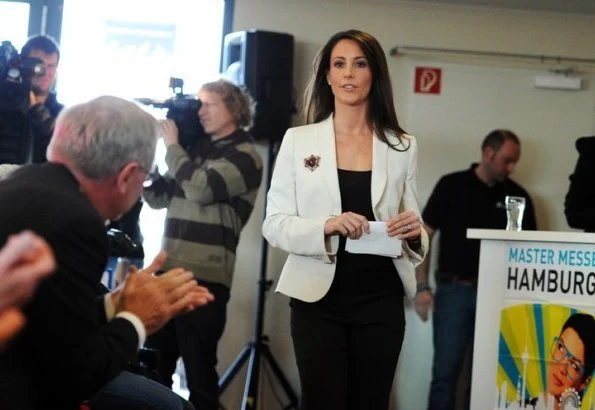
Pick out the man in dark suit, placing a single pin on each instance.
(78, 338)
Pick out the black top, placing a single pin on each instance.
(25, 135)
(42, 120)
(361, 275)
(579, 205)
(461, 200)
(67, 350)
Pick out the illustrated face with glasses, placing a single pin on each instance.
(567, 367)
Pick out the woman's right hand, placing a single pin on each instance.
(348, 224)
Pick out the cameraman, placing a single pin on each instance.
(209, 192)
(43, 106)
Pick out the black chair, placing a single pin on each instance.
(122, 246)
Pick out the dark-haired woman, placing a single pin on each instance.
(350, 166)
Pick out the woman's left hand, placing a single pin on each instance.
(405, 226)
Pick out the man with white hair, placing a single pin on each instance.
(78, 339)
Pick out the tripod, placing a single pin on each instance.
(258, 348)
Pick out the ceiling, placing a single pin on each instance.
(560, 6)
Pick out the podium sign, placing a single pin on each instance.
(534, 329)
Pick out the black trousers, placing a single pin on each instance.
(347, 353)
(194, 336)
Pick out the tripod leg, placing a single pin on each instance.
(235, 366)
(249, 400)
(268, 356)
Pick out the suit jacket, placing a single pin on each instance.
(67, 350)
(579, 205)
(304, 193)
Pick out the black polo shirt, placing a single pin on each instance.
(461, 200)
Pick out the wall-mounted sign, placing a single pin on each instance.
(428, 80)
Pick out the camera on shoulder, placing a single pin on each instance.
(183, 110)
(16, 73)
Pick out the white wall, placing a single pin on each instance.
(477, 96)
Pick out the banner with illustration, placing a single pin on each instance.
(546, 342)
(545, 357)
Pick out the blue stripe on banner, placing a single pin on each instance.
(507, 361)
(541, 343)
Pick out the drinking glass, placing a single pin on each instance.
(515, 207)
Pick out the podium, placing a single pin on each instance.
(530, 283)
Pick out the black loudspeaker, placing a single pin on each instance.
(262, 61)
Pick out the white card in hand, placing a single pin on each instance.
(377, 242)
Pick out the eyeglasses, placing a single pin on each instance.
(574, 368)
(139, 167)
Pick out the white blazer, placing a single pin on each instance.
(302, 198)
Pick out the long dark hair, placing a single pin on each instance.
(320, 101)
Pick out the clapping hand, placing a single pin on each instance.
(24, 260)
(157, 299)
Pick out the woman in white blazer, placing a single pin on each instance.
(353, 164)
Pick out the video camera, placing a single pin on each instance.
(16, 73)
(120, 245)
(183, 110)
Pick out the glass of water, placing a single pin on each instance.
(515, 207)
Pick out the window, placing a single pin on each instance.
(14, 19)
(130, 48)
(127, 48)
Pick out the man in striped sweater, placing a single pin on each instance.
(209, 192)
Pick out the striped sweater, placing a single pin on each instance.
(209, 193)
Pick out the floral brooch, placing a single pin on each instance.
(312, 162)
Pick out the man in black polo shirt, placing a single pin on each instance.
(473, 198)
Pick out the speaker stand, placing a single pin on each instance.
(258, 349)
